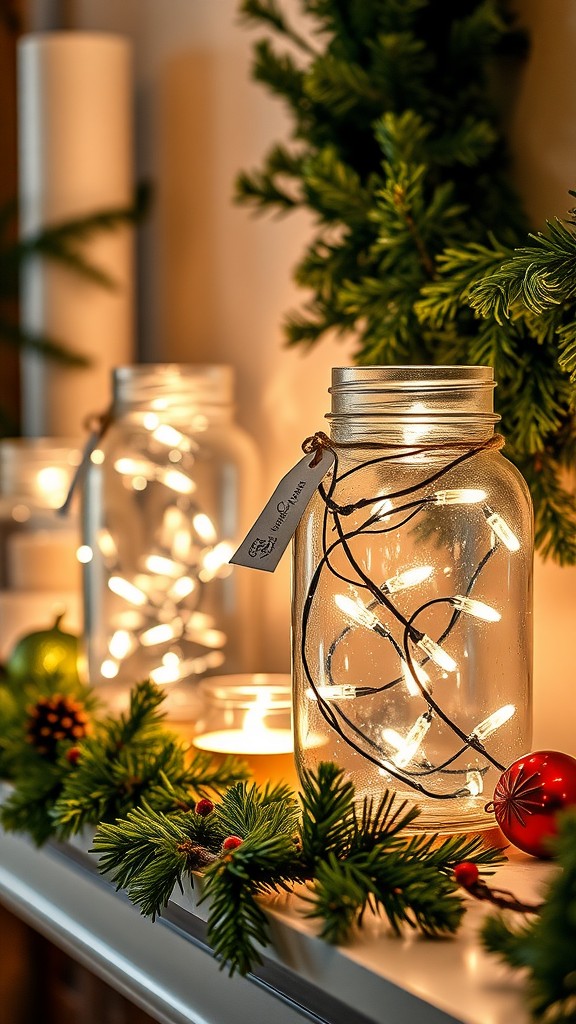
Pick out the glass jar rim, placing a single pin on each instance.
(246, 690)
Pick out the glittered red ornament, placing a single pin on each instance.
(529, 795)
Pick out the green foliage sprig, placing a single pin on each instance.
(544, 947)
(352, 858)
(395, 147)
(122, 762)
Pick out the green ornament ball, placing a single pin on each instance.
(45, 652)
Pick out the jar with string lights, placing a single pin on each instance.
(169, 486)
(412, 594)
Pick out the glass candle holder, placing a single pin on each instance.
(249, 716)
(167, 493)
(412, 595)
(39, 571)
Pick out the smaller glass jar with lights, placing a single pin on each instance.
(39, 572)
(168, 492)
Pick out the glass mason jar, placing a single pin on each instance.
(167, 495)
(412, 595)
(39, 571)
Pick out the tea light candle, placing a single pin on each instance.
(249, 716)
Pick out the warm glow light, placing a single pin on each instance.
(134, 467)
(84, 554)
(53, 483)
(171, 437)
(458, 496)
(204, 528)
(413, 432)
(161, 634)
(176, 480)
(474, 782)
(357, 612)
(411, 684)
(215, 562)
(381, 508)
(118, 585)
(165, 674)
(109, 669)
(476, 608)
(341, 692)
(107, 544)
(493, 722)
(121, 644)
(97, 457)
(407, 747)
(501, 529)
(181, 588)
(436, 653)
(408, 578)
(162, 566)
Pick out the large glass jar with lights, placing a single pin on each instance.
(412, 594)
(169, 491)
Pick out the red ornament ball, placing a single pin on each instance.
(466, 874)
(529, 795)
(232, 843)
(73, 755)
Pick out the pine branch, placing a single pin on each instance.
(544, 948)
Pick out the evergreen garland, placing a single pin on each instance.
(396, 149)
(353, 859)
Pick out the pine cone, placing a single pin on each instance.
(53, 719)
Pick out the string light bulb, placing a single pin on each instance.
(357, 612)
(408, 746)
(408, 578)
(494, 722)
(478, 609)
(436, 653)
(500, 528)
(458, 496)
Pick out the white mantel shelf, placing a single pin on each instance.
(167, 967)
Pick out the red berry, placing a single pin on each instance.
(466, 874)
(73, 755)
(232, 843)
(204, 807)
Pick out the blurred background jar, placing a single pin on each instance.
(169, 491)
(39, 573)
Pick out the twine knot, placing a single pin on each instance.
(316, 443)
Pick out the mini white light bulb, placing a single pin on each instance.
(476, 608)
(171, 437)
(357, 612)
(381, 509)
(161, 634)
(121, 643)
(176, 481)
(436, 653)
(474, 782)
(162, 566)
(411, 684)
(408, 578)
(123, 588)
(411, 743)
(500, 528)
(458, 496)
(493, 722)
(336, 692)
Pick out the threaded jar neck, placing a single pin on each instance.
(411, 404)
(174, 388)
